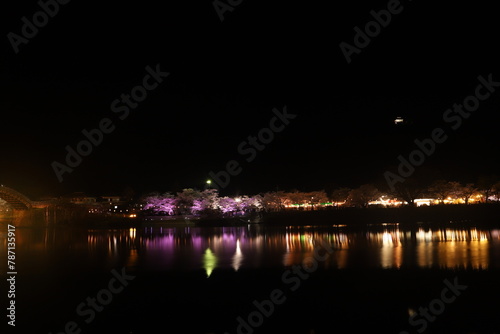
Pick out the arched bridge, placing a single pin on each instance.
(15, 199)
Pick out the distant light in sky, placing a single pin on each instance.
(398, 120)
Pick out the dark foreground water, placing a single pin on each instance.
(254, 279)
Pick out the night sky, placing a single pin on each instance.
(225, 80)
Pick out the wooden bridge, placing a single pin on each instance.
(25, 211)
(15, 199)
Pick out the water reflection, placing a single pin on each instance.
(209, 261)
(456, 248)
(392, 250)
(237, 257)
(189, 248)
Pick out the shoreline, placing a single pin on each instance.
(480, 215)
(477, 214)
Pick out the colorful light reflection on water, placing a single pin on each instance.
(233, 248)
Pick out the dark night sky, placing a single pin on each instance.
(225, 79)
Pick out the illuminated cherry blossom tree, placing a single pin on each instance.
(207, 202)
(161, 204)
(228, 205)
(249, 203)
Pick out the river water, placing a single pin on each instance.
(178, 269)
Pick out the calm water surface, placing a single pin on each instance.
(253, 246)
(200, 280)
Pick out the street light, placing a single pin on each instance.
(209, 182)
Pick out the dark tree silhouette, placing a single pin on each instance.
(361, 196)
(408, 191)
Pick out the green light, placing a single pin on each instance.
(209, 261)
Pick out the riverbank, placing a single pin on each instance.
(478, 214)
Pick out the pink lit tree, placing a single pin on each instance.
(201, 203)
(250, 203)
(186, 200)
(161, 204)
(228, 205)
(206, 202)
